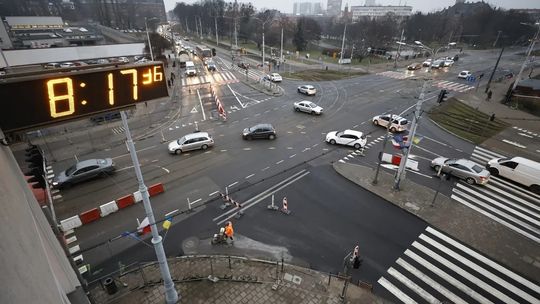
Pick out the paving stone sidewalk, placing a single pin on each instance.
(225, 279)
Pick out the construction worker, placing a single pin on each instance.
(229, 231)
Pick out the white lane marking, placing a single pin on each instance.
(526, 135)
(264, 196)
(211, 194)
(223, 150)
(413, 286)
(306, 149)
(495, 155)
(172, 212)
(125, 168)
(143, 149)
(396, 291)
(271, 148)
(251, 175)
(289, 148)
(237, 99)
(258, 114)
(292, 156)
(279, 162)
(200, 102)
(514, 143)
(264, 169)
(245, 118)
(195, 201)
(246, 149)
(232, 184)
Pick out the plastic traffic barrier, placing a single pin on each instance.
(125, 201)
(90, 216)
(108, 208)
(156, 189)
(137, 196)
(70, 223)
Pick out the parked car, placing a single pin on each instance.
(82, 171)
(308, 107)
(517, 169)
(67, 64)
(123, 59)
(307, 89)
(398, 124)
(462, 168)
(427, 63)
(243, 65)
(259, 131)
(275, 77)
(350, 138)
(464, 74)
(51, 65)
(414, 66)
(193, 141)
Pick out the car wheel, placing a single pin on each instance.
(376, 122)
(299, 91)
(204, 147)
(248, 137)
(313, 113)
(493, 171)
(271, 136)
(177, 151)
(297, 109)
(437, 168)
(392, 129)
(332, 142)
(470, 181)
(357, 146)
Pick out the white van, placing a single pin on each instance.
(518, 169)
(190, 69)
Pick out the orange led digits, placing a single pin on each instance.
(53, 98)
(158, 76)
(111, 88)
(147, 77)
(133, 72)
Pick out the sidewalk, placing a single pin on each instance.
(232, 279)
(457, 220)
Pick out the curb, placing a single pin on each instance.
(450, 132)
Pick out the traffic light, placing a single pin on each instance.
(442, 96)
(35, 161)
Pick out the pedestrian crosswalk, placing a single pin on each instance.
(395, 75)
(118, 130)
(252, 73)
(220, 78)
(438, 269)
(502, 201)
(453, 86)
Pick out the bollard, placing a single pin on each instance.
(285, 208)
(272, 206)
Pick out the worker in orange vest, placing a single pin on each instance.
(229, 231)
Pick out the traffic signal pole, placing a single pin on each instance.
(414, 125)
(171, 295)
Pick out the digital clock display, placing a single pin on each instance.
(33, 102)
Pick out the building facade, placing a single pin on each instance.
(333, 8)
(307, 8)
(373, 12)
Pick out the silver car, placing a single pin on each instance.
(465, 169)
(308, 107)
(84, 170)
(193, 141)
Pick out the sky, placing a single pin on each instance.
(424, 6)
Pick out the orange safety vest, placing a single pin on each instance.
(229, 231)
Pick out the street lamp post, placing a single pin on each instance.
(343, 45)
(531, 47)
(399, 48)
(148, 37)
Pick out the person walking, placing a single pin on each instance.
(229, 231)
(489, 94)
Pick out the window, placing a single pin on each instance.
(510, 164)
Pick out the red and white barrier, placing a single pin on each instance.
(70, 223)
(396, 160)
(108, 208)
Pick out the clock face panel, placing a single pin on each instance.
(53, 98)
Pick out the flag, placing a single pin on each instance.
(417, 139)
(400, 141)
(143, 227)
(167, 224)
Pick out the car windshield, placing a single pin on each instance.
(477, 168)
(339, 133)
(450, 161)
(181, 140)
(71, 169)
(102, 161)
(312, 105)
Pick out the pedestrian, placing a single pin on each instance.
(229, 231)
(169, 83)
(489, 93)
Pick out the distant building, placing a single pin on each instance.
(333, 8)
(307, 8)
(373, 12)
(370, 3)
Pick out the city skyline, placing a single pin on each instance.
(425, 6)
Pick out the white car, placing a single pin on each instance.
(308, 107)
(67, 64)
(275, 77)
(193, 141)
(427, 63)
(448, 63)
(350, 138)
(399, 124)
(307, 89)
(464, 74)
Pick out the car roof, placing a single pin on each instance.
(353, 132)
(88, 162)
(196, 135)
(308, 86)
(466, 162)
(275, 74)
(465, 72)
(263, 125)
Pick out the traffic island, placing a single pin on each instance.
(451, 217)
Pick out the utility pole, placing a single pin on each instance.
(343, 45)
(399, 48)
(200, 27)
(494, 69)
(281, 48)
(414, 125)
(235, 34)
(375, 179)
(187, 27)
(531, 47)
(497, 39)
(215, 23)
(171, 296)
(263, 45)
